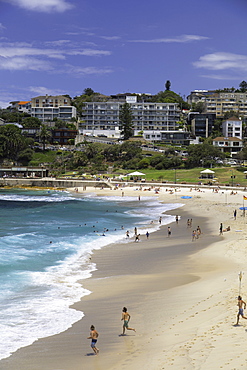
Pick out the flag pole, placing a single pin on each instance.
(240, 279)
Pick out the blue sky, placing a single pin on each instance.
(64, 46)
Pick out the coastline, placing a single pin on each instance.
(174, 306)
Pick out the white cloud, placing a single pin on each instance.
(24, 63)
(46, 6)
(89, 52)
(2, 27)
(176, 39)
(221, 77)
(88, 70)
(21, 56)
(41, 90)
(110, 38)
(10, 51)
(222, 61)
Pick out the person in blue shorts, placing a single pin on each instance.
(241, 306)
(94, 335)
(126, 319)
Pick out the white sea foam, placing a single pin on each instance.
(31, 198)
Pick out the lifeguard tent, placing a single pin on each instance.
(207, 174)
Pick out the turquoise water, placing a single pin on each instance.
(46, 238)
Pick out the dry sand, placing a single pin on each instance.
(181, 296)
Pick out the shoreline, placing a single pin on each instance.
(133, 275)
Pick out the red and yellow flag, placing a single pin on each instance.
(245, 198)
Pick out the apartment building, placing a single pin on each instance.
(232, 127)
(47, 107)
(220, 102)
(201, 123)
(151, 119)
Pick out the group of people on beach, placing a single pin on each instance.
(94, 334)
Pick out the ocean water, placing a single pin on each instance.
(46, 239)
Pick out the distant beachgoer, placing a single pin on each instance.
(94, 335)
(126, 319)
(139, 198)
(160, 219)
(147, 234)
(169, 232)
(235, 214)
(193, 235)
(137, 238)
(177, 219)
(198, 232)
(241, 306)
(221, 229)
(127, 234)
(135, 231)
(188, 222)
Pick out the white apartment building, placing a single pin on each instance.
(232, 128)
(151, 119)
(47, 107)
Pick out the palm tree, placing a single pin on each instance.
(44, 134)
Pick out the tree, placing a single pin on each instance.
(11, 142)
(168, 85)
(88, 91)
(230, 114)
(125, 119)
(198, 107)
(31, 122)
(202, 155)
(170, 97)
(243, 86)
(44, 134)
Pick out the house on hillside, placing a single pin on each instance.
(231, 145)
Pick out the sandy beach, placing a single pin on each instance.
(181, 295)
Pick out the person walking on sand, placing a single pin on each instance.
(198, 232)
(221, 228)
(137, 238)
(193, 235)
(235, 214)
(169, 232)
(94, 336)
(147, 234)
(177, 219)
(241, 306)
(126, 319)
